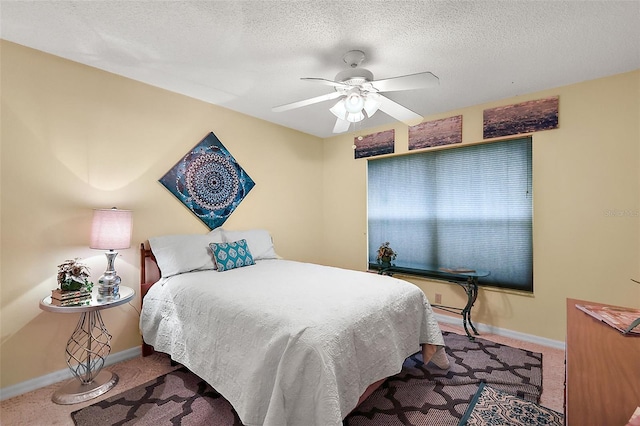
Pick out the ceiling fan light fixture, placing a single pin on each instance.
(371, 104)
(354, 102)
(339, 110)
(355, 117)
(361, 96)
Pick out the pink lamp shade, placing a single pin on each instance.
(111, 229)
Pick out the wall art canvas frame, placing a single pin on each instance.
(374, 144)
(524, 117)
(209, 181)
(445, 131)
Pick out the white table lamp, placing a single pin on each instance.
(110, 230)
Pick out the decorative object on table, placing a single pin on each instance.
(385, 255)
(525, 117)
(73, 277)
(70, 297)
(375, 144)
(208, 181)
(58, 294)
(111, 230)
(76, 301)
(625, 320)
(635, 417)
(73, 282)
(445, 131)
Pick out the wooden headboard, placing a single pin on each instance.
(149, 275)
(149, 271)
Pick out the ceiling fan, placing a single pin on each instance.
(361, 95)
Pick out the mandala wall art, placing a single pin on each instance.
(209, 181)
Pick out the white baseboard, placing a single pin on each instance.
(556, 344)
(57, 376)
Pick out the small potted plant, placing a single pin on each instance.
(73, 276)
(385, 255)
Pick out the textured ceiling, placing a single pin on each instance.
(249, 56)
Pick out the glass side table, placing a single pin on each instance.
(467, 279)
(87, 348)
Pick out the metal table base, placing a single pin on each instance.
(470, 287)
(74, 391)
(88, 348)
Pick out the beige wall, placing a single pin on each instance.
(582, 171)
(76, 138)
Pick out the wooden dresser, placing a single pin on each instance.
(602, 371)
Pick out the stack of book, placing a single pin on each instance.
(70, 298)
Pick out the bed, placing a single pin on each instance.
(285, 342)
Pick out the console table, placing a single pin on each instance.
(87, 348)
(467, 280)
(602, 371)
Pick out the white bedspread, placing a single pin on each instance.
(288, 343)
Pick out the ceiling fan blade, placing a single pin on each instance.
(327, 82)
(341, 126)
(420, 80)
(399, 112)
(306, 102)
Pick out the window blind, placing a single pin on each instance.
(465, 207)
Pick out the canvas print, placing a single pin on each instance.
(525, 117)
(436, 133)
(375, 144)
(209, 181)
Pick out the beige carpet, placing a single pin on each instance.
(35, 408)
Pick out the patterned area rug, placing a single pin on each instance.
(425, 395)
(491, 407)
(418, 395)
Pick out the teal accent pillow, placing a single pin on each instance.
(231, 255)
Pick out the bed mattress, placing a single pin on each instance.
(288, 343)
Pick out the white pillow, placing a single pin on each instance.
(259, 242)
(177, 254)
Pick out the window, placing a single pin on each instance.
(465, 207)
